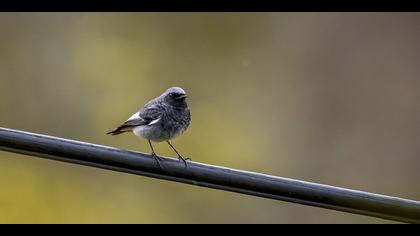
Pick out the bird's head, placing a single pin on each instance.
(175, 96)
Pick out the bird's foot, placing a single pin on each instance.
(180, 158)
(158, 159)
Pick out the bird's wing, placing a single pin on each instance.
(149, 114)
(144, 117)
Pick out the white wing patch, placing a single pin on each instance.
(135, 116)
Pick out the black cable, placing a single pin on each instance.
(245, 182)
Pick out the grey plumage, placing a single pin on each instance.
(161, 119)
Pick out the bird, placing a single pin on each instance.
(161, 119)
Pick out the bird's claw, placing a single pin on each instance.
(180, 158)
(158, 160)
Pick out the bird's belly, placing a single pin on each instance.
(149, 132)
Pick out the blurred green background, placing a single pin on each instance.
(326, 97)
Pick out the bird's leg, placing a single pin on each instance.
(157, 158)
(179, 156)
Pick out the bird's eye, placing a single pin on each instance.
(177, 96)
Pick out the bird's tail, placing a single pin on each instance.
(121, 129)
(116, 132)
